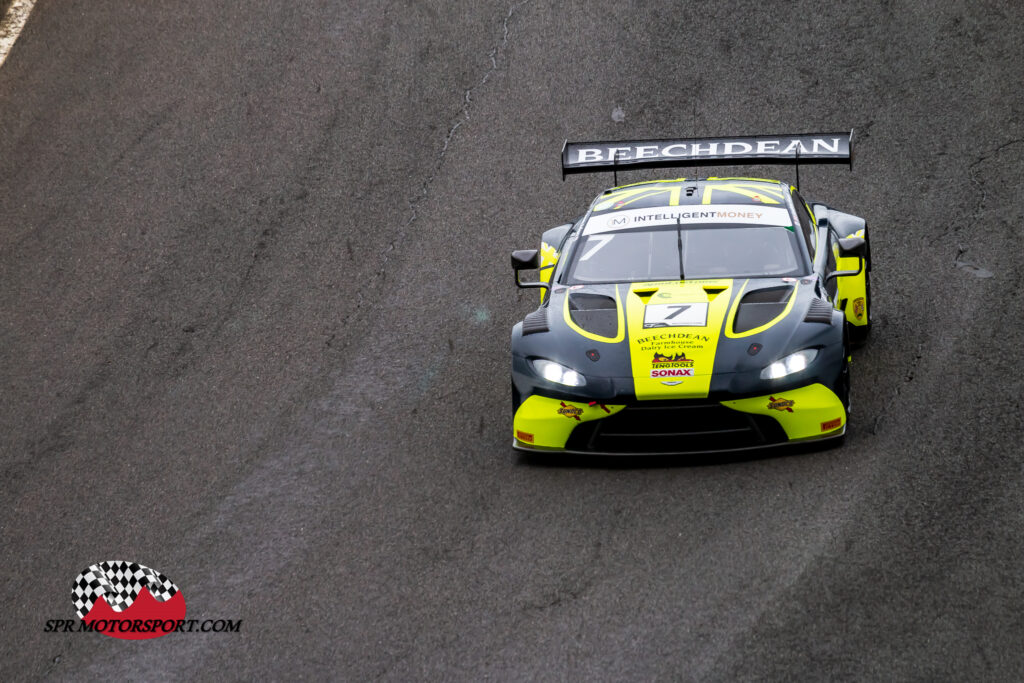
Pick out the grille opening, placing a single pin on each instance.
(675, 428)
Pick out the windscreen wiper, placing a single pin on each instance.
(679, 244)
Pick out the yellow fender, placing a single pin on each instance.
(853, 288)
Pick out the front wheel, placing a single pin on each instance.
(842, 388)
(517, 399)
(842, 385)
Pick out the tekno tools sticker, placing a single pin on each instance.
(676, 365)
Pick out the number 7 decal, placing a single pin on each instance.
(676, 315)
(679, 309)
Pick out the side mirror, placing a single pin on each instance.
(527, 259)
(853, 246)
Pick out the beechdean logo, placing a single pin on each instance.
(127, 600)
(804, 148)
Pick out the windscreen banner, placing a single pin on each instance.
(732, 214)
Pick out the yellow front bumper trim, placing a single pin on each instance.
(548, 422)
(804, 413)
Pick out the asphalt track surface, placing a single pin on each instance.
(254, 313)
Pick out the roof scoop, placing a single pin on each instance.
(645, 294)
(714, 290)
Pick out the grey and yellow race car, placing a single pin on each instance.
(692, 315)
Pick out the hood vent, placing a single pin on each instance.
(760, 307)
(595, 313)
(820, 311)
(536, 321)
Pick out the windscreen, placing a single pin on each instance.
(685, 252)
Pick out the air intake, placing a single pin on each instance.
(595, 313)
(759, 307)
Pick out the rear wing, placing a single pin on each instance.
(807, 148)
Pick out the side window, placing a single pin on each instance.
(806, 224)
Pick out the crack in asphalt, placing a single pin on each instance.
(958, 262)
(413, 204)
(976, 214)
(887, 408)
(571, 586)
(463, 117)
(997, 150)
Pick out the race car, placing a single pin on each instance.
(692, 315)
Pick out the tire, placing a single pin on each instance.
(517, 399)
(842, 387)
(842, 390)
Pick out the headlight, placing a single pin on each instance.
(794, 362)
(558, 373)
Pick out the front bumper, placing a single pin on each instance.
(678, 426)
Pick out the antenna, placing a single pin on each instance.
(798, 167)
(850, 144)
(679, 244)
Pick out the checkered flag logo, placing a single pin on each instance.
(119, 583)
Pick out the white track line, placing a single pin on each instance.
(11, 25)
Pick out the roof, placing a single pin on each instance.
(687, 192)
